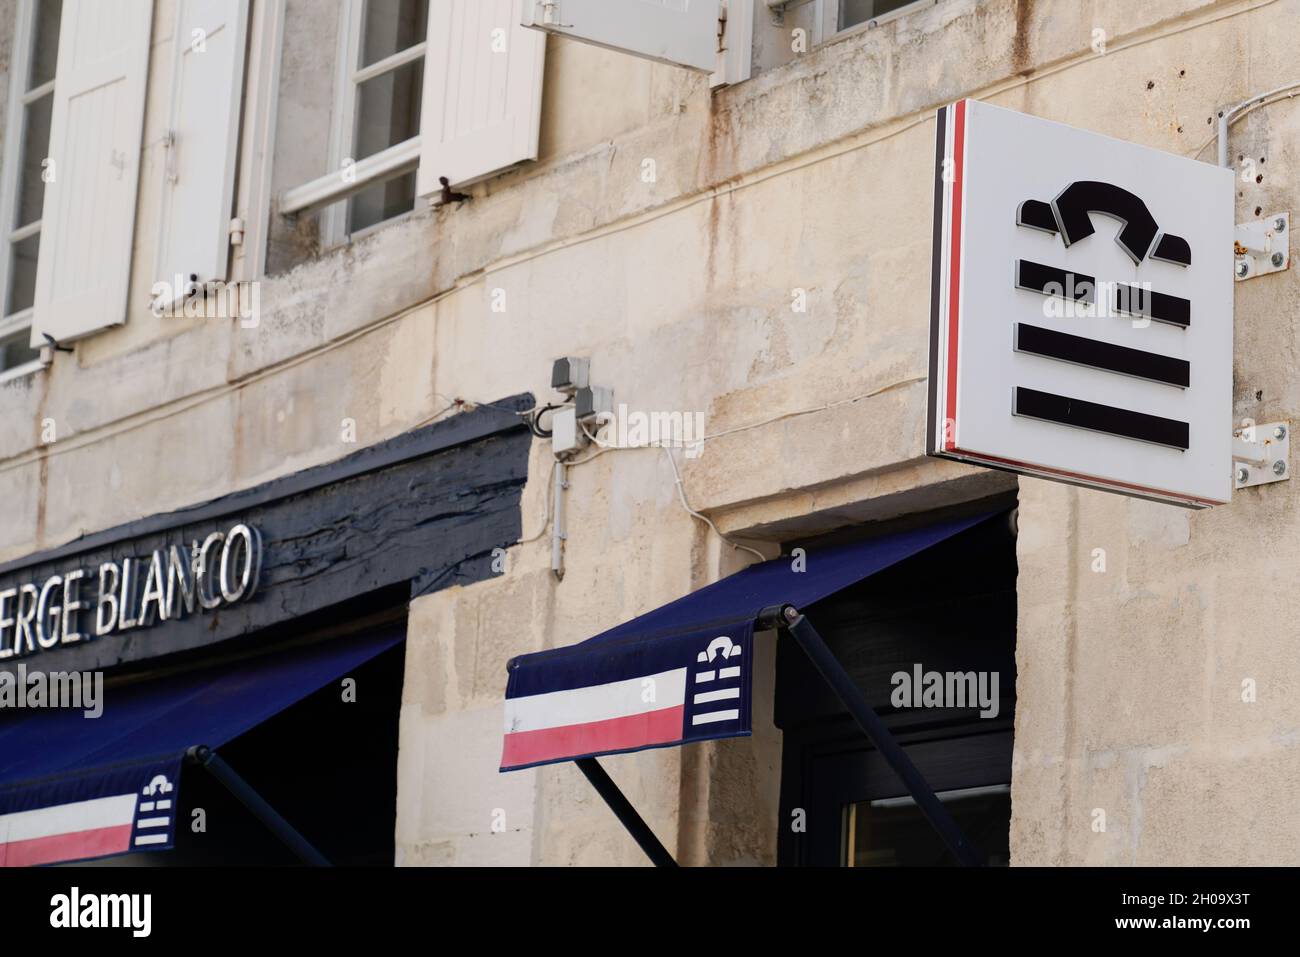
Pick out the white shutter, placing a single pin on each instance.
(736, 56)
(199, 160)
(681, 32)
(89, 216)
(482, 101)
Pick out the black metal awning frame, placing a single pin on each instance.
(789, 618)
(244, 792)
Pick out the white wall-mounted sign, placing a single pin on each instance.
(1081, 308)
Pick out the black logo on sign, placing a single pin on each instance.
(1069, 216)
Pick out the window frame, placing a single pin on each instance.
(19, 100)
(828, 19)
(387, 164)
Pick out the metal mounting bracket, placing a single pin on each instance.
(1262, 246)
(1261, 454)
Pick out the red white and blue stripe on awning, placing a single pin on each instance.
(116, 812)
(677, 688)
(74, 788)
(682, 672)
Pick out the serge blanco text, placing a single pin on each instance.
(133, 593)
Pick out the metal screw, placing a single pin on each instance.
(1279, 432)
(1243, 474)
(1278, 259)
(1279, 467)
(1279, 224)
(1243, 268)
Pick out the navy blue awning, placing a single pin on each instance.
(681, 672)
(73, 788)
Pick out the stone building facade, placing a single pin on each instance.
(756, 253)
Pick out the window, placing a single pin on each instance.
(814, 22)
(374, 147)
(383, 99)
(892, 832)
(27, 140)
(853, 12)
(422, 92)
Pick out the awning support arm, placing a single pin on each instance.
(625, 812)
(828, 666)
(205, 757)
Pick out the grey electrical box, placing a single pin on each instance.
(569, 374)
(591, 402)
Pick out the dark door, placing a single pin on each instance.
(948, 618)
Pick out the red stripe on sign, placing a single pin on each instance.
(575, 740)
(74, 846)
(954, 282)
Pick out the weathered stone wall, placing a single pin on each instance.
(812, 176)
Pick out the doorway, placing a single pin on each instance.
(946, 613)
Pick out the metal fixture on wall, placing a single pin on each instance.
(1231, 114)
(583, 403)
(558, 535)
(1260, 454)
(1262, 246)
